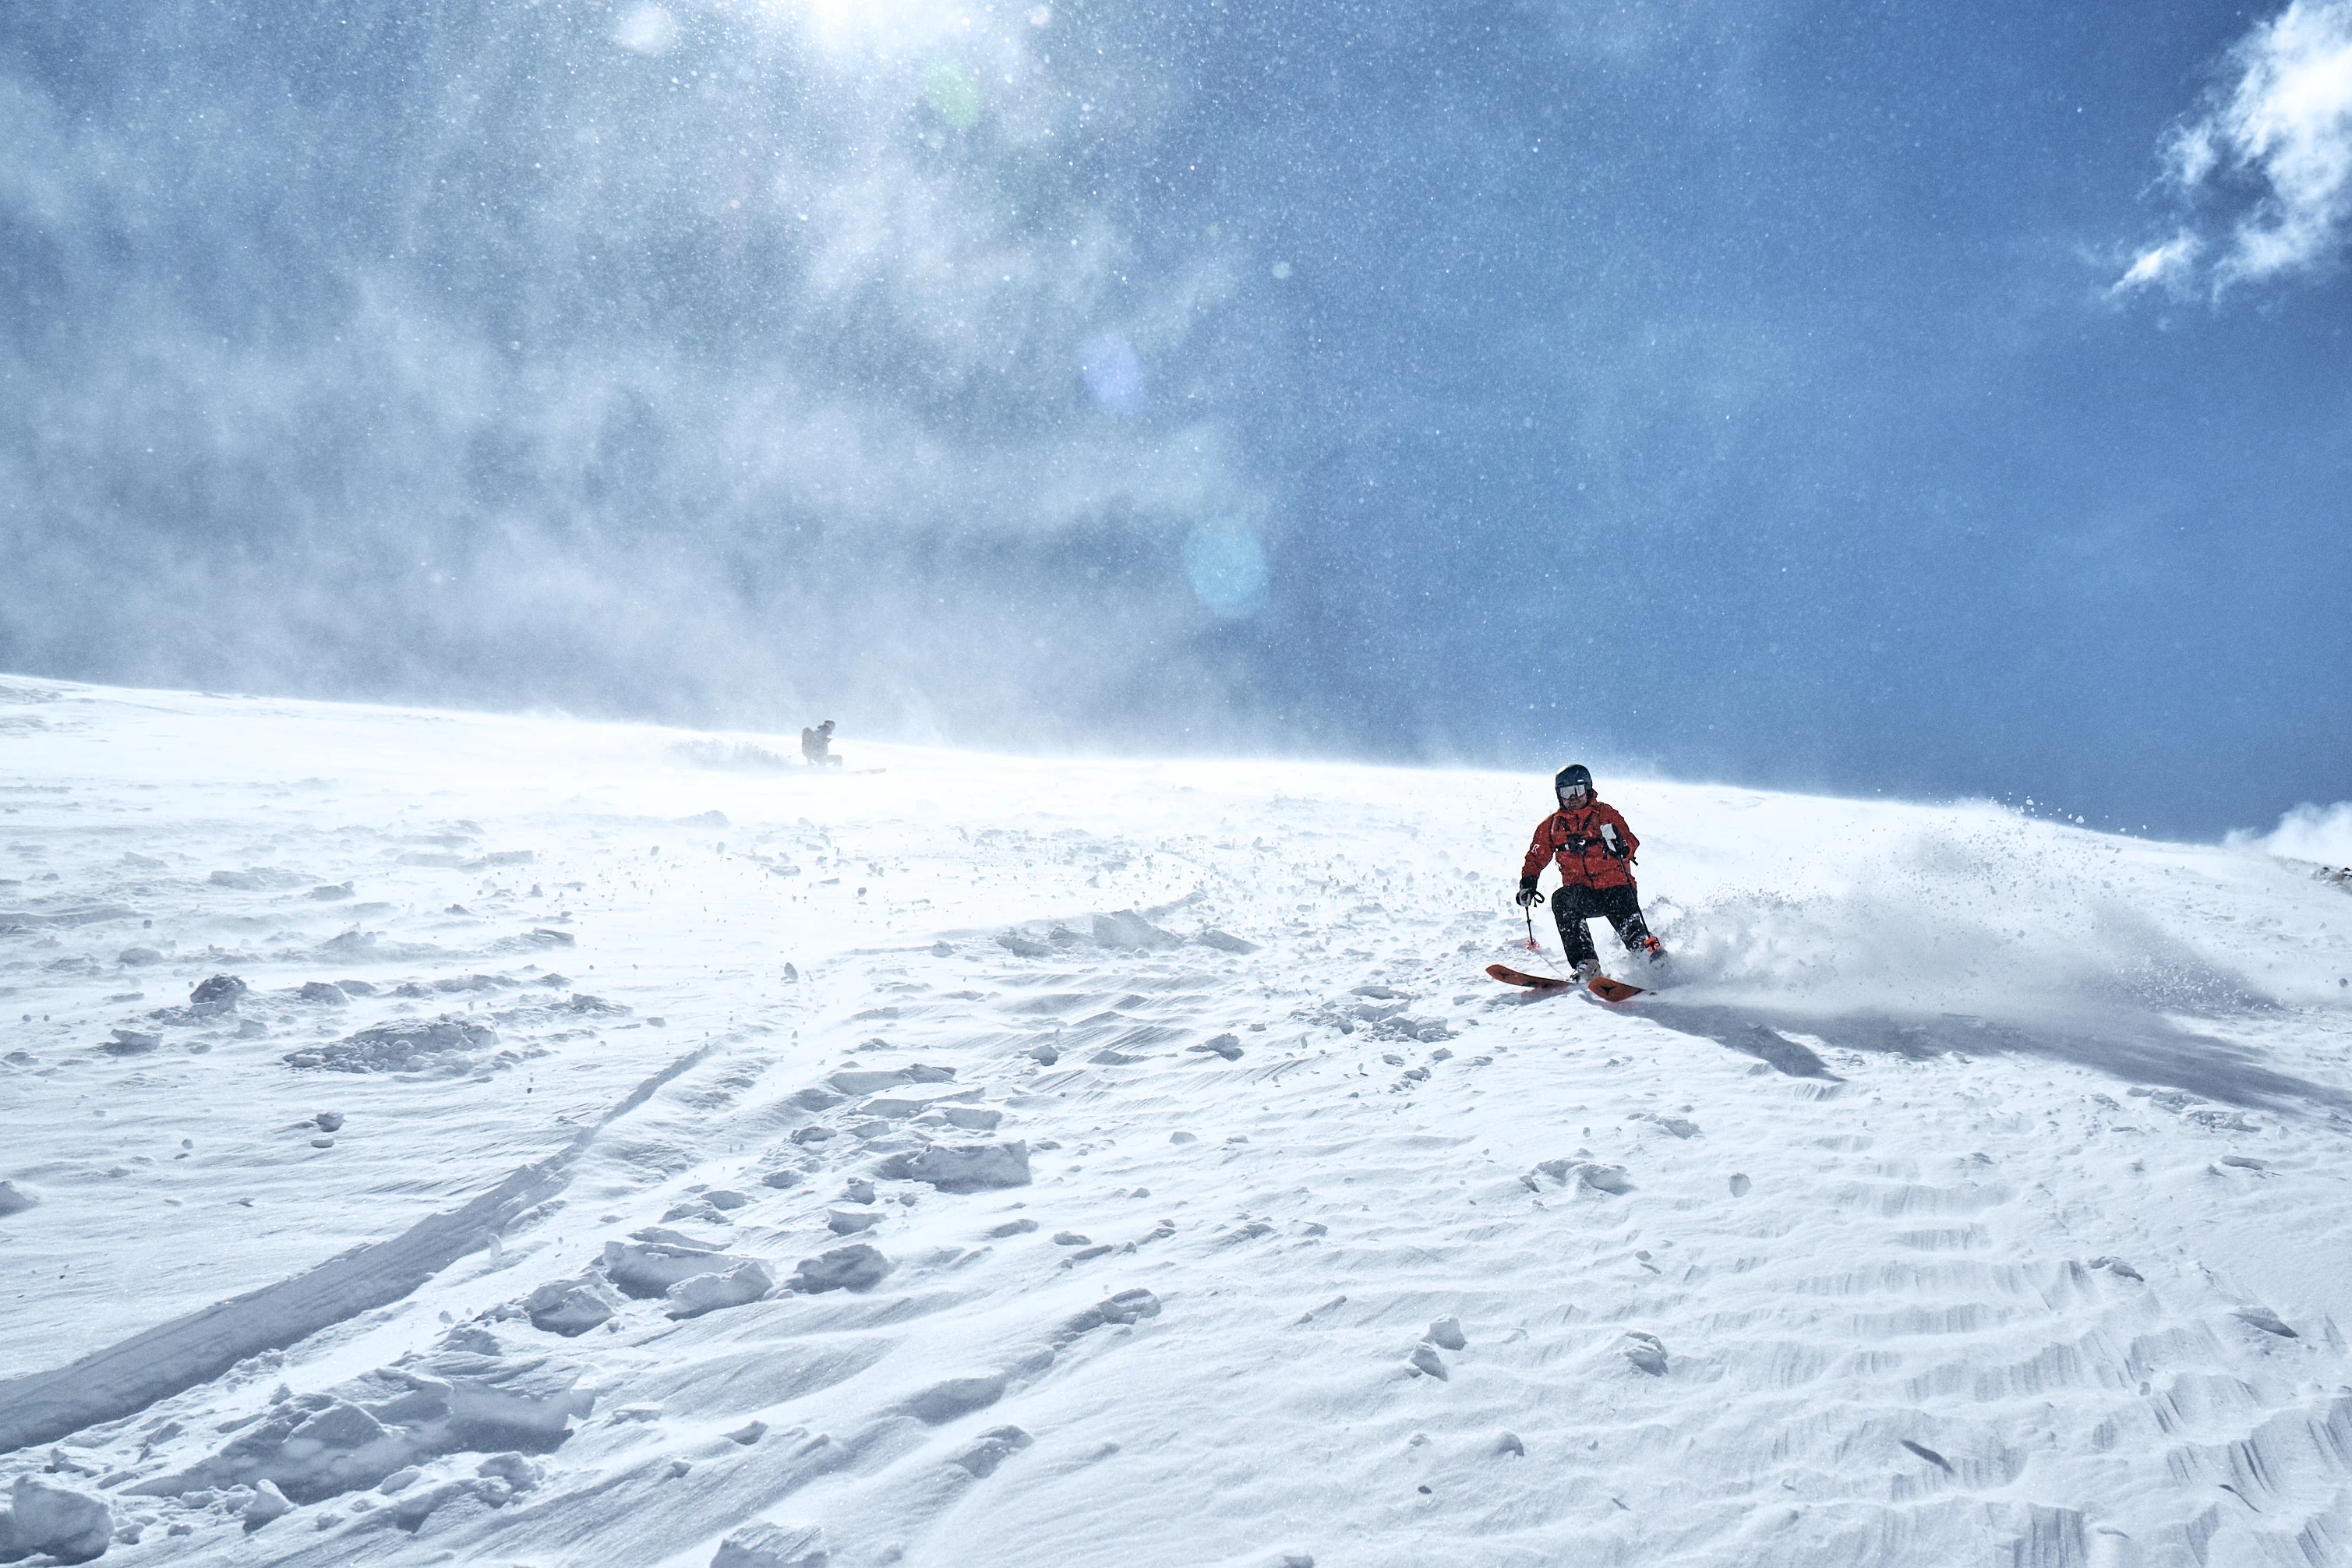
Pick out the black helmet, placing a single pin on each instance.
(1575, 776)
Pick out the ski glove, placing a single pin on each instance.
(1528, 893)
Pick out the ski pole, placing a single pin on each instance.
(1529, 911)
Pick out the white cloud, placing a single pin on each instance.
(2265, 168)
(2168, 264)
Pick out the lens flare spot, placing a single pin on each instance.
(953, 94)
(1227, 566)
(646, 30)
(1113, 372)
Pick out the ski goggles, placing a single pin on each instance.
(1574, 792)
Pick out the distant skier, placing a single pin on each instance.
(816, 746)
(1594, 850)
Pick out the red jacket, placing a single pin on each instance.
(1572, 839)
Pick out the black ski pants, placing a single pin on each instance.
(1572, 905)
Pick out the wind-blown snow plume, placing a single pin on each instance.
(2270, 156)
(2309, 832)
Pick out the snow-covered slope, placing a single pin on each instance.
(1976, 1193)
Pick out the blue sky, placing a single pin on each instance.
(1732, 390)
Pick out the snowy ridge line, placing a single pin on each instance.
(125, 1378)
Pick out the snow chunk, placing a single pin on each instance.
(1125, 929)
(1586, 1173)
(643, 1268)
(855, 1268)
(571, 1307)
(68, 1525)
(268, 1503)
(517, 1471)
(469, 1396)
(943, 1402)
(961, 1168)
(765, 1545)
(1127, 1307)
(30, 919)
(1647, 1352)
(2262, 1318)
(994, 1446)
(257, 878)
(1605, 1178)
(746, 1282)
(446, 1046)
(220, 990)
(872, 1080)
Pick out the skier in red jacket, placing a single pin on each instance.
(1594, 850)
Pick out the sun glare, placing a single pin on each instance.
(882, 27)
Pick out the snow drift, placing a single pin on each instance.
(991, 1161)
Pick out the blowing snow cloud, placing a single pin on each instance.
(676, 360)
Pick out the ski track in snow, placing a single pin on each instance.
(1976, 1193)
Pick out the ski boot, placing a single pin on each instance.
(1586, 968)
(1648, 947)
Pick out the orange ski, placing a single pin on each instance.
(1532, 981)
(1601, 986)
